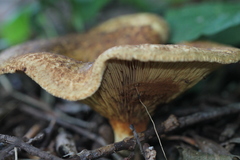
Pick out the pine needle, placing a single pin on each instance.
(154, 126)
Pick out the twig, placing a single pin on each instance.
(28, 148)
(185, 139)
(126, 144)
(27, 138)
(16, 153)
(7, 151)
(41, 104)
(44, 106)
(33, 131)
(36, 138)
(137, 139)
(47, 132)
(209, 115)
(62, 122)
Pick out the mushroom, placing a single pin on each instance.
(110, 84)
(140, 28)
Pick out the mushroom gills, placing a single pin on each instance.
(157, 83)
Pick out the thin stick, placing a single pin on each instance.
(154, 126)
(137, 139)
(62, 122)
(16, 153)
(27, 147)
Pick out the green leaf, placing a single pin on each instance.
(148, 5)
(227, 36)
(204, 19)
(17, 29)
(85, 10)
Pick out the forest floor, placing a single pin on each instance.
(208, 115)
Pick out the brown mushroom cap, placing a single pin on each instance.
(108, 85)
(131, 29)
(140, 19)
(39, 59)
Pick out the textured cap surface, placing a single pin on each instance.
(74, 80)
(140, 19)
(128, 29)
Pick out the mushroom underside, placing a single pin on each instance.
(156, 82)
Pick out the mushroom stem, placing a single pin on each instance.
(122, 129)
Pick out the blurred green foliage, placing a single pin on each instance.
(215, 20)
(18, 28)
(147, 5)
(48, 18)
(218, 21)
(85, 10)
